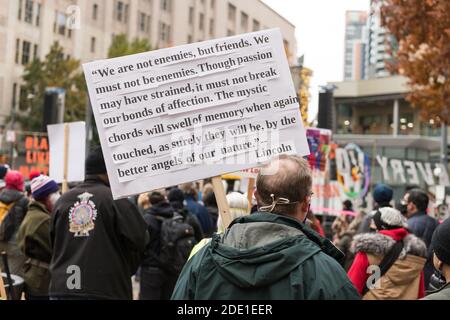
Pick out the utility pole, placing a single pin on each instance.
(444, 135)
(444, 145)
(88, 121)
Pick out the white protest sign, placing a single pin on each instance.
(10, 136)
(196, 111)
(76, 151)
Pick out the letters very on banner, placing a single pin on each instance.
(195, 111)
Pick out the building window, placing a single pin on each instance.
(230, 33)
(93, 44)
(29, 11)
(141, 22)
(14, 96)
(60, 23)
(17, 50)
(165, 5)
(127, 7)
(244, 21)
(35, 52)
(19, 14)
(26, 48)
(94, 11)
(38, 14)
(231, 12)
(211, 27)
(201, 23)
(164, 33)
(119, 10)
(213, 4)
(256, 25)
(189, 40)
(191, 15)
(22, 98)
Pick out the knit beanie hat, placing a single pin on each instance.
(14, 180)
(382, 194)
(95, 163)
(389, 218)
(441, 242)
(43, 186)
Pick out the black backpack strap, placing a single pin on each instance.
(388, 261)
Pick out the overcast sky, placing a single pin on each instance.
(320, 31)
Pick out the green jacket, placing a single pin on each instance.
(33, 239)
(265, 257)
(441, 294)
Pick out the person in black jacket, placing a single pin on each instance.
(155, 283)
(176, 199)
(210, 203)
(421, 224)
(98, 243)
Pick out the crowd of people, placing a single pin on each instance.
(85, 245)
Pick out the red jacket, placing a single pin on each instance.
(358, 271)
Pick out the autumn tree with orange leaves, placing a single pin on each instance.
(422, 31)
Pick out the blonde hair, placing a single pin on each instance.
(207, 188)
(144, 201)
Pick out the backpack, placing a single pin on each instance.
(177, 240)
(5, 220)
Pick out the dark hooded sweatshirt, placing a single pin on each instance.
(151, 215)
(107, 258)
(265, 257)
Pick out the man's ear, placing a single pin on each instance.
(440, 265)
(256, 195)
(305, 206)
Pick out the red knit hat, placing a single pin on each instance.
(14, 180)
(34, 174)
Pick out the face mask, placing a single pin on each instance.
(306, 217)
(54, 197)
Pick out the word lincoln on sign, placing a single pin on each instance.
(196, 111)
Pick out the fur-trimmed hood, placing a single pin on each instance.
(379, 245)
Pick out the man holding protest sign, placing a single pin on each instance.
(222, 106)
(98, 243)
(272, 254)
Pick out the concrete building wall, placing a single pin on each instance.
(164, 22)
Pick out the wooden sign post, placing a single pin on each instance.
(3, 295)
(65, 186)
(222, 203)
